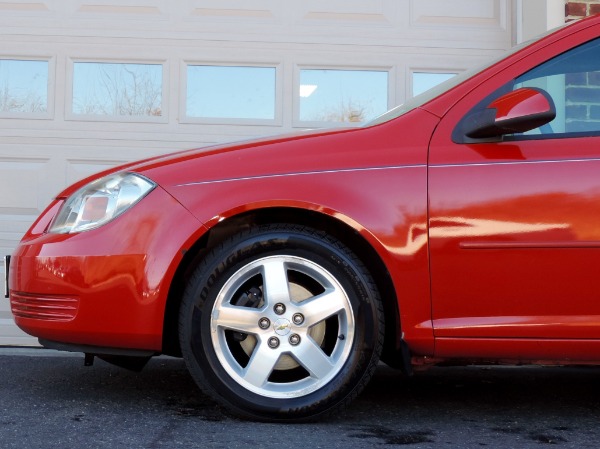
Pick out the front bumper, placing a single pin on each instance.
(105, 287)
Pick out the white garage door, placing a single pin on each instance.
(88, 84)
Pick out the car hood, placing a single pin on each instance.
(253, 157)
(387, 144)
(304, 152)
(153, 164)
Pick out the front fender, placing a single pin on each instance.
(387, 206)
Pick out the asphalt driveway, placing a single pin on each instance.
(49, 399)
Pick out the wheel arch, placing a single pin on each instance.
(338, 228)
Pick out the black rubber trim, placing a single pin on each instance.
(96, 350)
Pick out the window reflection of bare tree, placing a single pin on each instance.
(347, 111)
(121, 90)
(11, 100)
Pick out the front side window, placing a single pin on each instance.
(572, 81)
(23, 86)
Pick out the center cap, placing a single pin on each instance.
(282, 326)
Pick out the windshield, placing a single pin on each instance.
(438, 90)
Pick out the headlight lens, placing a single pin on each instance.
(99, 202)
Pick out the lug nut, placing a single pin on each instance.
(298, 319)
(294, 339)
(279, 309)
(273, 342)
(264, 323)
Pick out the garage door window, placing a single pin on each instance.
(23, 87)
(230, 93)
(423, 81)
(117, 89)
(342, 96)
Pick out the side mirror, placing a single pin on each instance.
(515, 112)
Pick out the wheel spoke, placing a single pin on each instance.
(276, 282)
(323, 306)
(261, 365)
(312, 357)
(242, 319)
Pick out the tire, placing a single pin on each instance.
(281, 323)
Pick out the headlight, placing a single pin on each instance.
(99, 202)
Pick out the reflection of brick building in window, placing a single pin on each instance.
(582, 101)
(583, 89)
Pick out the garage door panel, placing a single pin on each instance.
(231, 10)
(351, 11)
(21, 181)
(14, 8)
(459, 13)
(79, 169)
(41, 155)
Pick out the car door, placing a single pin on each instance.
(514, 222)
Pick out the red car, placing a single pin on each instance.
(461, 226)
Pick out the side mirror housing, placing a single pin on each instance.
(518, 111)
